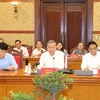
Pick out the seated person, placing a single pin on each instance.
(80, 49)
(92, 59)
(7, 61)
(39, 50)
(60, 47)
(52, 58)
(18, 47)
(1, 40)
(98, 48)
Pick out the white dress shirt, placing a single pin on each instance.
(35, 52)
(8, 60)
(90, 61)
(24, 50)
(55, 61)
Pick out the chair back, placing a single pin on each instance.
(29, 48)
(72, 50)
(10, 48)
(18, 57)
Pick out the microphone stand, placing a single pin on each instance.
(53, 61)
(33, 68)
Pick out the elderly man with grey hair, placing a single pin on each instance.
(52, 57)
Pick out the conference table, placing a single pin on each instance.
(73, 63)
(82, 88)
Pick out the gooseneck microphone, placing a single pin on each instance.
(33, 67)
(53, 61)
(26, 61)
(36, 64)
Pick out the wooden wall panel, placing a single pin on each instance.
(37, 20)
(16, 87)
(52, 22)
(74, 22)
(73, 25)
(2, 90)
(53, 25)
(49, 30)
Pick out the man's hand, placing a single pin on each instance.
(10, 68)
(86, 68)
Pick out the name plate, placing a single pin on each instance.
(48, 70)
(98, 72)
(73, 55)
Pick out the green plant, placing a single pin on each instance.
(62, 97)
(51, 84)
(19, 96)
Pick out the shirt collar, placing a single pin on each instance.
(4, 56)
(97, 54)
(79, 51)
(52, 55)
(19, 49)
(38, 50)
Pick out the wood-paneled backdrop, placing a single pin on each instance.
(67, 21)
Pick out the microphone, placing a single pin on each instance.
(36, 64)
(26, 61)
(53, 61)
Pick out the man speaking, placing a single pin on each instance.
(52, 58)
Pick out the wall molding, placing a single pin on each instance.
(16, 0)
(31, 0)
(96, 32)
(96, 0)
(17, 31)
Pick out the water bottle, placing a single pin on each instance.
(29, 68)
(26, 66)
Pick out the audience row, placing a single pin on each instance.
(79, 50)
(52, 57)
